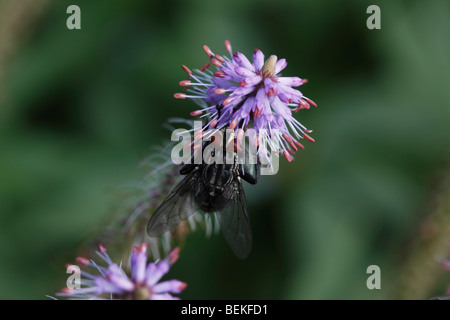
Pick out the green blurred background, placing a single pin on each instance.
(79, 109)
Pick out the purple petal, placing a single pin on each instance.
(105, 286)
(121, 282)
(265, 109)
(164, 296)
(268, 84)
(114, 269)
(236, 100)
(280, 121)
(172, 286)
(293, 94)
(215, 99)
(283, 97)
(260, 97)
(258, 60)
(155, 272)
(263, 120)
(281, 109)
(245, 72)
(229, 71)
(138, 263)
(248, 105)
(251, 81)
(290, 81)
(245, 110)
(281, 64)
(229, 65)
(242, 91)
(222, 83)
(243, 61)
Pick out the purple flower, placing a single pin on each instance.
(113, 282)
(446, 265)
(241, 94)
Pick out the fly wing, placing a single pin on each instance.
(178, 206)
(235, 222)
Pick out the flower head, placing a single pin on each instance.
(113, 282)
(239, 94)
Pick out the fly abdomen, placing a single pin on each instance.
(211, 203)
(217, 175)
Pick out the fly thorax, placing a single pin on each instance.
(216, 177)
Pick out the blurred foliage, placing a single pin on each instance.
(80, 108)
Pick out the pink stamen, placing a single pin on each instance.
(290, 151)
(305, 104)
(141, 248)
(179, 96)
(185, 83)
(66, 290)
(82, 261)
(272, 92)
(219, 74)
(288, 138)
(237, 147)
(182, 286)
(287, 156)
(213, 123)
(227, 101)
(188, 71)
(311, 102)
(228, 46)
(101, 248)
(196, 113)
(293, 145)
(216, 62)
(233, 123)
(243, 83)
(240, 135)
(208, 51)
(299, 144)
(220, 91)
(205, 66)
(299, 108)
(174, 255)
(304, 81)
(307, 137)
(219, 57)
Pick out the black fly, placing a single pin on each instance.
(212, 188)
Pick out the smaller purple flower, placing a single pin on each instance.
(242, 94)
(113, 282)
(445, 263)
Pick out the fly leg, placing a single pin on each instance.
(245, 175)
